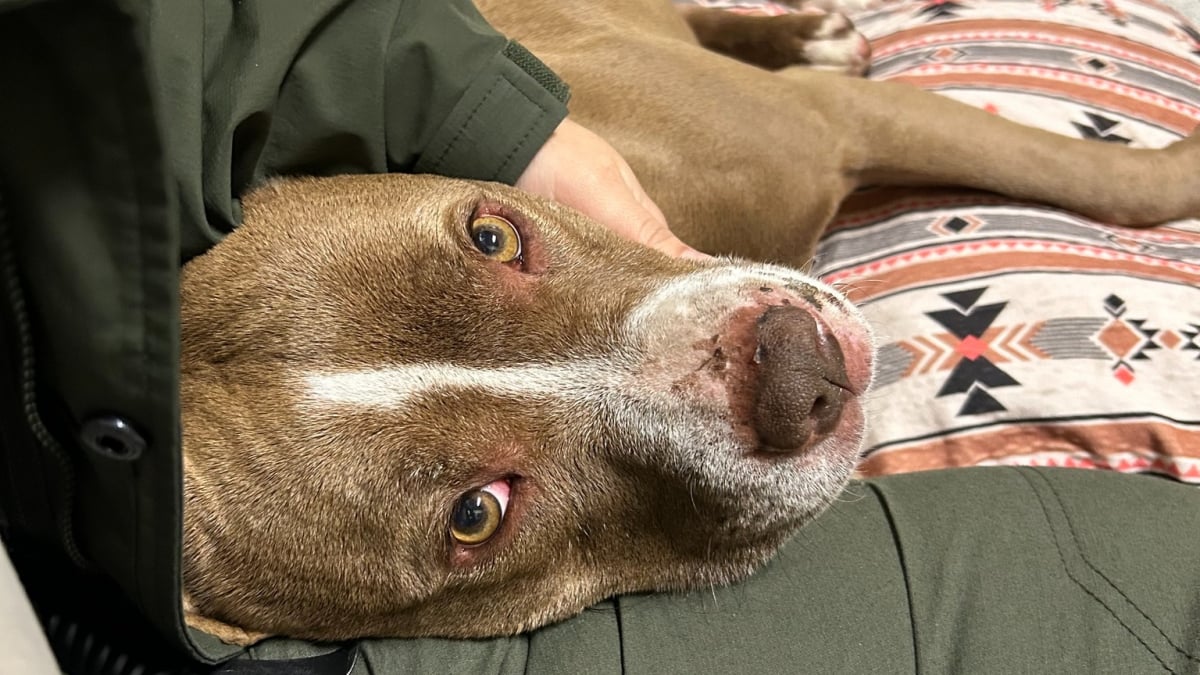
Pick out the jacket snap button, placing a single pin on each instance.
(112, 437)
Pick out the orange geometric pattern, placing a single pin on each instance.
(999, 344)
(1119, 339)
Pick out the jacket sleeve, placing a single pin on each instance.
(260, 88)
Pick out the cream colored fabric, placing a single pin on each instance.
(1189, 8)
(23, 649)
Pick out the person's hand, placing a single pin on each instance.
(581, 170)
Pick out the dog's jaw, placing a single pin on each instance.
(325, 451)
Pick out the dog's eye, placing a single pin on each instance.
(496, 238)
(478, 514)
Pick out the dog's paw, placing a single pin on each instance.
(836, 46)
(809, 38)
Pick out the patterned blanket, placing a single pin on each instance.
(1013, 333)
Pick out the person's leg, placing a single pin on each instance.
(1053, 570)
(833, 600)
(966, 571)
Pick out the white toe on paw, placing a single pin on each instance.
(834, 25)
(837, 46)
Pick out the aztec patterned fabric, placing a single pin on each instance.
(1019, 334)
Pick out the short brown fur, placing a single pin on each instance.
(328, 522)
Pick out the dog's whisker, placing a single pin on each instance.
(851, 494)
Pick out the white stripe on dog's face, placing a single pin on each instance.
(682, 303)
(396, 386)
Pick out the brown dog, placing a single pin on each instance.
(418, 406)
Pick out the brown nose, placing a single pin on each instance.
(802, 381)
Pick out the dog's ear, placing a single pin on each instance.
(219, 629)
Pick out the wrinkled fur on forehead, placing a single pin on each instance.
(344, 273)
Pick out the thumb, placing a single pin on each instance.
(655, 234)
(653, 231)
(624, 208)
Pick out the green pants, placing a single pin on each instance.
(995, 570)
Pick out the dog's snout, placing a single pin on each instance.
(802, 382)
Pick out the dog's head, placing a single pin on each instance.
(418, 406)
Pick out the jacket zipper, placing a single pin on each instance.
(10, 279)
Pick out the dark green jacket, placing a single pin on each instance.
(128, 131)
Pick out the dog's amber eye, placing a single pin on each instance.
(496, 238)
(478, 514)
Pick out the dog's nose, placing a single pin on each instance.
(802, 381)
